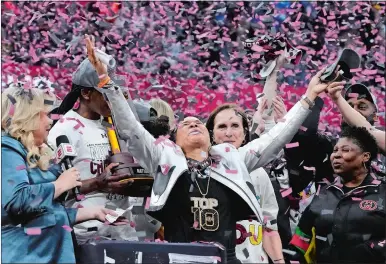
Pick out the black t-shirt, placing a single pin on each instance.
(188, 216)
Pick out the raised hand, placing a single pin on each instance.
(279, 110)
(100, 68)
(335, 90)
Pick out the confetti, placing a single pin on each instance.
(80, 197)
(132, 224)
(286, 192)
(20, 167)
(321, 238)
(356, 199)
(376, 182)
(195, 225)
(302, 128)
(67, 228)
(33, 231)
(231, 171)
(49, 102)
(147, 205)
(292, 145)
(177, 60)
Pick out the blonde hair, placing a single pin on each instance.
(25, 119)
(163, 108)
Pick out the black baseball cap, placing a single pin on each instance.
(363, 91)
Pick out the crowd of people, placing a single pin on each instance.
(264, 183)
(213, 180)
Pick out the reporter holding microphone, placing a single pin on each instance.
(36, 227)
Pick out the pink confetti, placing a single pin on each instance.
(33, 231)
(195, 224)
(227, 149)
(231, 171)
(55, 116)
(147, 205)
(132, 224)
(309, 168)
(286, 192)
(80, 197)
(11, 110)
(356, 199)
(165, 169)
(183, 80)
(302, 128)
(67, 228)
(353, 95)
(292, 145)
(317, 192)
(217, 258)
(20, 167)
(376, 182)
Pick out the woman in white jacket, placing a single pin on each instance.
(199, 190)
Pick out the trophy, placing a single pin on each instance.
(142, 181)
(347, 61)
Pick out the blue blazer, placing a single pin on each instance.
(27, 201)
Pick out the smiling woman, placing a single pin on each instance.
(348, 215)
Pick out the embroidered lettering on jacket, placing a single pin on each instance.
(368, 205)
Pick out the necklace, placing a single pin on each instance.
(196, 168)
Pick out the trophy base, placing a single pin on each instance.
(142, 182)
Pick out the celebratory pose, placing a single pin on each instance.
(350, 110)
(199, 191)
(229, 124)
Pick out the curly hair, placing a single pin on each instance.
(363, 139)
(20, 116)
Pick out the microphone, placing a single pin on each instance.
(64, 154)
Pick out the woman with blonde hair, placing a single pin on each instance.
(36, 228)
(164, 109)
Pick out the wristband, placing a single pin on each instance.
(103, 82)
(308, 101)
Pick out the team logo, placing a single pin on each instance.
(368, 205)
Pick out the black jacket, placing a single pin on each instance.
(349, 227)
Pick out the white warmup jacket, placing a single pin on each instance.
(166, 161)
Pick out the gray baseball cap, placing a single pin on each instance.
(85, 76)
(362, 91)
(144, 110)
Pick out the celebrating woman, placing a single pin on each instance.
(348, 216)
(199, 190)
(229, 124)
(36, 228)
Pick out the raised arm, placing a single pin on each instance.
(141, 144)
(261, 151)
(353, 117)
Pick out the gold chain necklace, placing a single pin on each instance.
(209, 176)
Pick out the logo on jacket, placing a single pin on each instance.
(368, 205)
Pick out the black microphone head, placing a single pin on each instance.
(62, 139)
